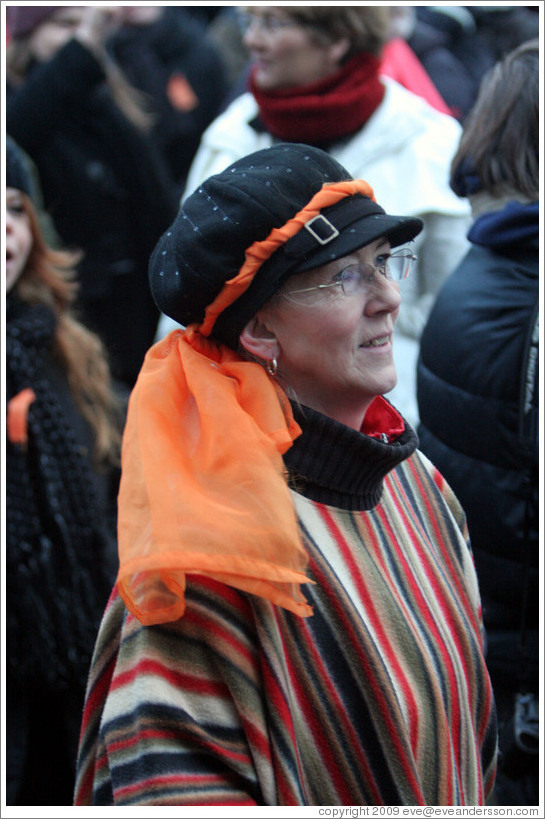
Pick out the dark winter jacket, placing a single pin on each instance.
(103, 188)
(183, 76)
(469, 384)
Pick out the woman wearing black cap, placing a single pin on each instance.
(260, 456)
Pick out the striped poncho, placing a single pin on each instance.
(381, 697)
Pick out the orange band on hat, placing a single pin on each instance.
(259, 252)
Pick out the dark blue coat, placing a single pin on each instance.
(469, 387)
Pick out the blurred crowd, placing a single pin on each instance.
(114, 115)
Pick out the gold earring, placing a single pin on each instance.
(272, 366)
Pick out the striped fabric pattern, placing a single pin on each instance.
(380, 698)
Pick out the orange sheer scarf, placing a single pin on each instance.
(203, 487)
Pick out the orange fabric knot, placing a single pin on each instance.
(203, 489)
(17, 416)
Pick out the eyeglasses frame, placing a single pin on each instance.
(405, 253)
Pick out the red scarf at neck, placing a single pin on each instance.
(327, 110)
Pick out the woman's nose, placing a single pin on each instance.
(253, 35)
(385, 296)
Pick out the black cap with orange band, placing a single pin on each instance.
(239, 235)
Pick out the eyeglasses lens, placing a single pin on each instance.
(360, 277)
(399, 265)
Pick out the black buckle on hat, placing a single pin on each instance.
(321, 229)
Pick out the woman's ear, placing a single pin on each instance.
(339, 49)
(259, 339)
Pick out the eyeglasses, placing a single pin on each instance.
(357, 278)
(266, 22)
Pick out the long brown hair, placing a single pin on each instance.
(501, 132)
(48, 278)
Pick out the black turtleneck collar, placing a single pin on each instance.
(333, 464)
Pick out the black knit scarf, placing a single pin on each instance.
(57, 584)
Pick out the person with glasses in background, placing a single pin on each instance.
(316, 79)
(296, 618)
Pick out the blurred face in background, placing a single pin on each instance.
(54, 32)
(141, 15)
(18, 236)
(287, 53)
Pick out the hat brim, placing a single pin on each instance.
(396, 229)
